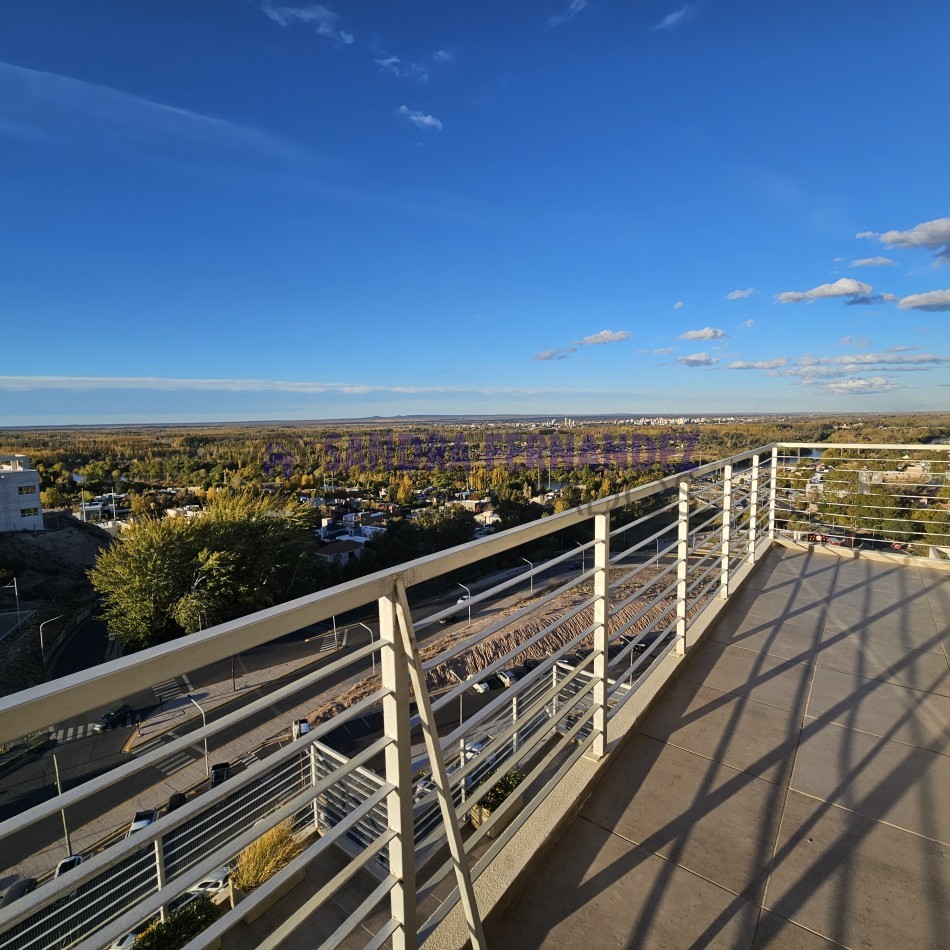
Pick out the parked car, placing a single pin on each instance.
(113, 719)
(220, 773)
(16, 890)
(212, 883)
(533, 663)
(142, 820)
(175, 801)
(300, 728)
(509, 677)
(482, 686)
(67, 864)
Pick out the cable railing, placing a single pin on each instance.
(606, 616)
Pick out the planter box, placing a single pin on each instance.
(285, 888)
(505, 813)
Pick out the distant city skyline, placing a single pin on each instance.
(240, 210)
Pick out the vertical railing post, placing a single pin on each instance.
(682, 563)
(773, 485)
(395, 679)
(601, 621)
(754, 509)
(726, 529)
(313, 782)
(160, 871)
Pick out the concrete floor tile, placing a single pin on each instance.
(869, 599)
(882, 709)
(859, 882)
(704, 816)
(776, 933)
(759, 676)
(786, 639)
(771, 605)
(877, 659)
(885, 626)
(887, 781)
(815, 589)
(899, 578)
(595, 890)
(802, 563)
(740, 733)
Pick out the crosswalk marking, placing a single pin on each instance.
(169, 689)
(175, 763)
(249, 759)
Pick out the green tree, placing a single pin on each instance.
(172, 576)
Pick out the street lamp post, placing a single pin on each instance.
(467, 591)
(531, 578)
(369, 630)
(583, 556)
(42, 646)
(62, 811)
(16, 594)
(204, 723)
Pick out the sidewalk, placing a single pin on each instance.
(109, 826)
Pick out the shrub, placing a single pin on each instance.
(181, 927)
(263, 858)
(502, 789)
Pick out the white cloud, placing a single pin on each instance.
(933, 301)
(664, 350)
(324, 21)
(698, 359)
(72, 109)
(845, 287)
(740, 294)
(861, 342)
(873, 262)
(554, 354)
(595, 339)
(749, 323)
(443, 56)
(679, 305)
(759, 364)
(420, 119)
(574, 7)
(604, 336)
(856, 386)
(391, 64)
(674, 19)
(707, 333)
(934, 235)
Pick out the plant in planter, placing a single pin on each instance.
(181, 926)
(504, 798)
(265, 857)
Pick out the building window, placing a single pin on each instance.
(26, 490)
(29, 512)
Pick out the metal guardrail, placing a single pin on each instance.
(659, 556)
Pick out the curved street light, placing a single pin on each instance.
(531, 578)
(42, 647)
(467, 591)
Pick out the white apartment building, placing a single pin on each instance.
(20, 508)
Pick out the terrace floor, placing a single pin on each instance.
(790, 789)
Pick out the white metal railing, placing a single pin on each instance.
(653, 560)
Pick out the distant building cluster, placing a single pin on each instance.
(20, 507)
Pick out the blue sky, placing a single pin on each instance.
(236, 209)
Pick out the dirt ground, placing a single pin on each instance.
(50, 570)
(484, 648)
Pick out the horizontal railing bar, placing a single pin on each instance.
(97, 784)
(622, 529)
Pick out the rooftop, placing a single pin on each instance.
(790, 788)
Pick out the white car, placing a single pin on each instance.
(300, 728)
(213, 883)
(508, 677)
(482, 686)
